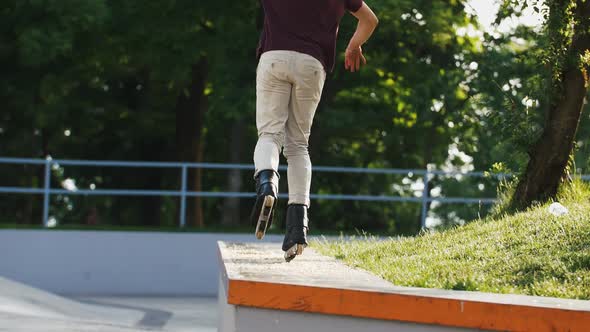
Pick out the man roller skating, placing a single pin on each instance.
(297, 48)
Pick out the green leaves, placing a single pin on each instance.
(112, 71)
(48, 30)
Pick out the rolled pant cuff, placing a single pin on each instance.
(299, 199)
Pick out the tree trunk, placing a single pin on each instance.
(151, 205)
(45, 152)
(26, 216)
(150, 178)
(549, 156)
(190, 109)
(231, 205)
(35, 176)
(198, 201)
(428, 153)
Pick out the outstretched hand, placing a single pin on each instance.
(354, 58)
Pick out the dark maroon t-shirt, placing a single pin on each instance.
(306, 26)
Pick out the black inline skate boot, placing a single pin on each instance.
(296, 236)
(267, 189)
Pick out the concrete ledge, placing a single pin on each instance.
(115, 263)
(256, 276)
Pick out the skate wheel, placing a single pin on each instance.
(264, 217)
(294, 251)
(300, 248)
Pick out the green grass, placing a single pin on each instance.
(531, 252)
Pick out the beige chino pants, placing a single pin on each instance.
(288, 89)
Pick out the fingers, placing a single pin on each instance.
(350, 62)
(354, 60)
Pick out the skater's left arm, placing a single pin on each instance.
(367, 22)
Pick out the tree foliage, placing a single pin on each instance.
(566, 40)
(174, 80)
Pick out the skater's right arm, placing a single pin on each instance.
(367, 22)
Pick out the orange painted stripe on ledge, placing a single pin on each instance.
(407, 308)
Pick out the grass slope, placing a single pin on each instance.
(532, 252)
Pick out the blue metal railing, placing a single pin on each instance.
(47, 191)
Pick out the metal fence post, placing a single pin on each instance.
(183, 197)
(425, 196)
(46, 191)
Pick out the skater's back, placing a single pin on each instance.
(306, 26)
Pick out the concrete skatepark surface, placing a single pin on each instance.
(24, 308)
(265, 262)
